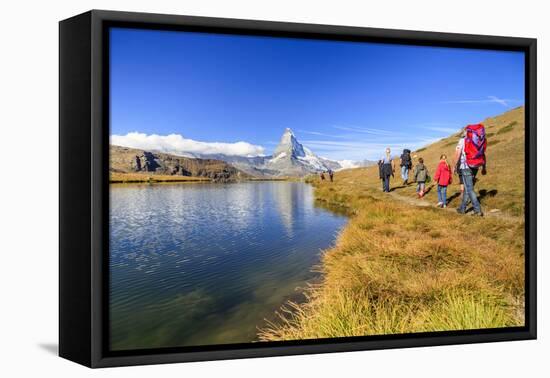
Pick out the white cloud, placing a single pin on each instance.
(441, 129)
(178, 145)
(368, 130)
(346, 164)
(490, 100)
(500, 101)
(360, 150)
(317, 133)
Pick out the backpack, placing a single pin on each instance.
(406, 159)
(475, 145)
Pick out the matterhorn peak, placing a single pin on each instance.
(289, 145)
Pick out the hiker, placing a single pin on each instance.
(386, 168)
(421, 175)
(470, 156)
(443, 178)
(322, 174)
(406, 165)
(330, 174)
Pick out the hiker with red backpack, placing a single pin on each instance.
(469, 158)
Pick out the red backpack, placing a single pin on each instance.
(475, 145)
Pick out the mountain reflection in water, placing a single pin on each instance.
(197, 264)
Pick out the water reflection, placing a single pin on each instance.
(199, 264)
(289, 200)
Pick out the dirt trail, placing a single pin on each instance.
(423, 202)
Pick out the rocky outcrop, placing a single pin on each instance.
(131, 160)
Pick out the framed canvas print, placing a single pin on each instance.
(234, 188)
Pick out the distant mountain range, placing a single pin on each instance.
(290, 158)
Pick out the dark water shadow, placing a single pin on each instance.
(333, 208)
(51, 348)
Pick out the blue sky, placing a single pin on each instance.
(344, 100)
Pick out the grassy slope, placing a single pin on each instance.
(401, 268)
(503, 187)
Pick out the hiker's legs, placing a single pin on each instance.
(386, 184)
(420, 188)
(466, 177)
(469, 193)
(443, 190)
(439, 194)
(405, 173)
(473, 195)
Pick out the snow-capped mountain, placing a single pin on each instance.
(291, 158)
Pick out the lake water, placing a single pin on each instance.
(199, 264)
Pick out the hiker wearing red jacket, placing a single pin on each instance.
(443, 177)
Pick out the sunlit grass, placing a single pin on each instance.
(116, 177)
(400, 268)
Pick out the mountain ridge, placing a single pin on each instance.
(127, 160)
(289, 159)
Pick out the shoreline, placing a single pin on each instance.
(165, 179)
(393, 271)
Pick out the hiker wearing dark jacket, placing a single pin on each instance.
(406, 165)
(421, 176)
(386, 168)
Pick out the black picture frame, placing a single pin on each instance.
(84, 187)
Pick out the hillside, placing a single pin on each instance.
(503, 187)
(134, 165)
(501, 190)
(402, 265)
